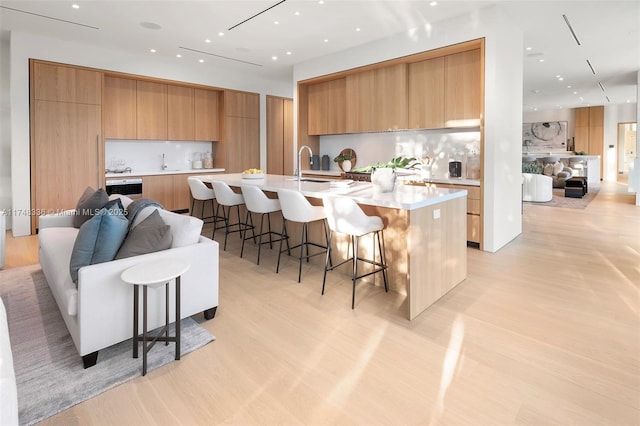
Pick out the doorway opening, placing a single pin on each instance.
(626, 150)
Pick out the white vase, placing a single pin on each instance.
(383, 179)
(346, 165)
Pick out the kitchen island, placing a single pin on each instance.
(425, 231)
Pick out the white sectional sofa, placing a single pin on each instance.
(99, 311)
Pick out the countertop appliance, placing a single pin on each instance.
(132, 188)
(455, 169)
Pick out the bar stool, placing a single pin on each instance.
(346, 217)
(258, 202)
(296, 208)
(200, 192)
(550, 160)
(227, 199)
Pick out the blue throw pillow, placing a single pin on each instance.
(99, 238)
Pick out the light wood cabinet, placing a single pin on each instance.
(65, 154)
(239, 148)
(241, 104)
(180, 113)
(119, 108)
(463, 88)
(377, 99)
(61, 83)
(474, 213)
(426, 94)
(589, 132)
(159, 188)
(151, 110)
(66, 135)
(279, 135)
(327, 107)
(207, 127)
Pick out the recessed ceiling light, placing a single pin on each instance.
(561, 78)
(357, 29)
(297, 13)
(220, 34)
(326, 40)
(75, 6)
(207, 41)
(433, 3)
(201, 60)
(152, 50)
(581, 98)
(275, 58)
(569, 87)
(628, 101)
(575, 93)
(321, 2)
(178, 56)
(529, 48)
(289, 53)
(540, 60)
(557, 76)
(276, 22)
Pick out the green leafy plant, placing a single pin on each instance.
(533, 167)
(395, 163)
(342, 157)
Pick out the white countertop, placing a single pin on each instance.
(137, 173)
(404, 197)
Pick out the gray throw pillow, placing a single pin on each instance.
(99, 239)
(89, 204)
(149, 236)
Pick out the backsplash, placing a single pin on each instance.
(441, 146)
(147, 155)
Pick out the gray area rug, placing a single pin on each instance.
(559, 200)
(49, 370)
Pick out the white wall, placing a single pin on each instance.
(503, 102)
(614, 114)
(5, 131)
(25, 46)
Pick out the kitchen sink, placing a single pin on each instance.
(313, 180)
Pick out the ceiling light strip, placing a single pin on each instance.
(571, 29)
(218, 56)
(601, 86)
(49, 17)
(590, 66)
(257, 14)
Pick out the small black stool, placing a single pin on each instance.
(576, 187)
(154, 274)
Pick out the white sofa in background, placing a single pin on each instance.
(537, 187)
(99, 312)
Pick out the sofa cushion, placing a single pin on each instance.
(90, 202)
(151, 235)
(557, 167)
(99, 239)
(123, 198)
(548, 170)
(185, 230)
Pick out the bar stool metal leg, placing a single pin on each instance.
(177, 317)
(136, 316)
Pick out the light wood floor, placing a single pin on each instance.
(544, 332)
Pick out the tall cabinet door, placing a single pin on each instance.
(463, 88)
(180, 113)
(279, 135)
(426, 94)
(119, 108)
(151, 110)
(65, 156)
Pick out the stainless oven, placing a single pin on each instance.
(132, 188)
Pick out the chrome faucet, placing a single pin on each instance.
(164, 164)
(298, 170)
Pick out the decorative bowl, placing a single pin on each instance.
(253, 176)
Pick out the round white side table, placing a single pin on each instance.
(154, 274)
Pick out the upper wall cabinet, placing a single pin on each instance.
(463, 88)
(207, 127)
(151, 111)
(327, 107)
(241, 104)
(119, 108)
(426, 94)
(67, 84)
(180, 113)
(377, 99)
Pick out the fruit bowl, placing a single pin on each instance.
(253, 174)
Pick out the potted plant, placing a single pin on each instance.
(344, 161)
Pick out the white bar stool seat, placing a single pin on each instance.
(296, 208)
(258, 202)
(227, 199)
(200, 192)
(346, 217)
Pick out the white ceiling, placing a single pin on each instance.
(608, 32)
